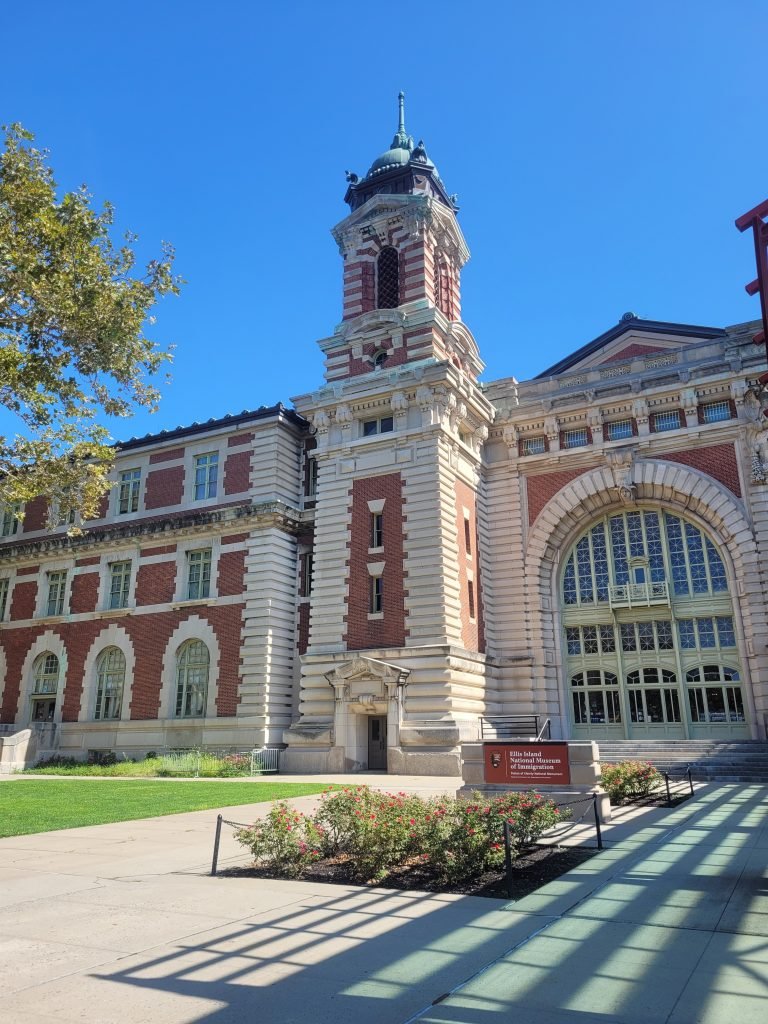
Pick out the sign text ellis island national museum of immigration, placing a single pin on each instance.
(545, 764)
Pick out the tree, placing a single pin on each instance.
(72, 345)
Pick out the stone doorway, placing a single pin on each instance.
(377, 743)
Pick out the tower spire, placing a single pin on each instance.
(401, 140)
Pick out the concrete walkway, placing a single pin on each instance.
(120, 923)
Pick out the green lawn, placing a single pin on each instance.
(37, 805)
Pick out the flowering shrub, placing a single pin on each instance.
(376, 832)
(629, 780)
(285, 841)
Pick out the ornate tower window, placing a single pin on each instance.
(388, 279)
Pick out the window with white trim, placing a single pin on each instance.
(384, 425)
(715, 412)
(119, 584)
(377, 529)
(575, 438)
(199, 573)
(376, 595)
(667, 420)
(45, 674)
(4, 587)
(57, 586)
(9, 524)
(618, 430)
(471, 598)
(533, 445)
(110, 680)
(192, 668)
(206, 475)
(128, 491)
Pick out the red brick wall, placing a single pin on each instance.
(302, 638)
(24, 600)
(542, 488)
(717, 460)
(632, 351)
(36, 515)
(85, 592)
(165, 549)
(472, 632)
(164, 487)
(362, 632)
(150, 635)
(169, 456)
(93, 560)
(231, 573)
(156, 583)
(237, 471)
(237, 439)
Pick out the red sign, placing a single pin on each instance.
(527, 763)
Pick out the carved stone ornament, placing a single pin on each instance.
(399, 402)
(424, 397)
(552, 428)
(758, 467)
(343, 413)
(622, 465)
(320, 420)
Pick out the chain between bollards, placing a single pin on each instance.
(216, 841)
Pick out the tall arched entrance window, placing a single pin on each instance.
(45, 686)
(648, 632)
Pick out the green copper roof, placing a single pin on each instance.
(401, 150)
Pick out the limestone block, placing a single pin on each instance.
(429, 735)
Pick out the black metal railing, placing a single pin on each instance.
(515, 727)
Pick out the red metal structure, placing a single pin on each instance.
(755, 219)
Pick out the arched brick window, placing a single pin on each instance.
(388, 279)
(110, 679)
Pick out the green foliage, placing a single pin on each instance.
(42, 805)
(148, 768)
(629, 780)
(378, 832)
(185, 764)
(73, 346)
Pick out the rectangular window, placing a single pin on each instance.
(687, 635)
(467, 537)
(590, 639)
(619, 429)
(471, 597)
(119, 584)
(3, 596)
(206, 472)
(664, 635)
(385, 425)
(645, 633)
(669, 420)
(9, 524)
(376, 603)
(628, 640)
(311, 478)
(573, 639)
(57, 585)
(575, 438)
(377, 529)
(607, 640)
(198, 574)
(533, 445)
(725, 634)
(706, 630)
(128, 491)
(307, 565)
(714, 412)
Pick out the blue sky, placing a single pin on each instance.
(601, 152)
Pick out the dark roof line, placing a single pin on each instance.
(246, 416)
(626, 323)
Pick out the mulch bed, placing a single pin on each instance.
(532, 869)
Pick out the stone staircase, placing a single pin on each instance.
(710, 760)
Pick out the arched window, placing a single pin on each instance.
(45, 676)
(192, 665)
(388, 279)
(718, 697)
(110, 680)
(380, 359)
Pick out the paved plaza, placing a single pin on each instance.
(121, 924)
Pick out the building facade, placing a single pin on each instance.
(363, 578)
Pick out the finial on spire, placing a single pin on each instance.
(401, 140)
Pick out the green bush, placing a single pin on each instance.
(378, 832)
(629, 780)
(286, 840)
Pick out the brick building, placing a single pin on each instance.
(364, 577)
